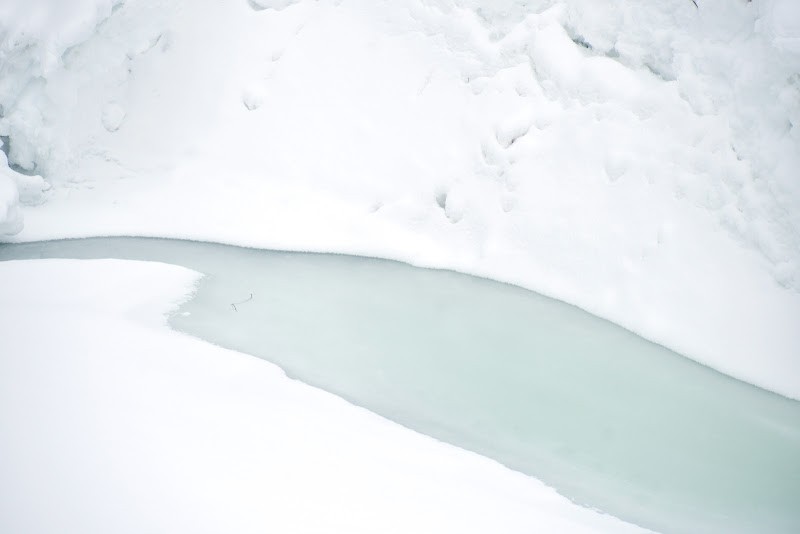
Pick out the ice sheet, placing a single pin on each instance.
(608, 419)
(111, 422)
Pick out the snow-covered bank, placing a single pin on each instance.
(111, 422)
(638, 159)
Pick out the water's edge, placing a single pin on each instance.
(607, 418)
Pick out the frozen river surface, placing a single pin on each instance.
(607, 418)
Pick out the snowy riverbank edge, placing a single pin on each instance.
(112, 421)
(636, 160)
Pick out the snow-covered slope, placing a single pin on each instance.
(111, 422)
(639, 159)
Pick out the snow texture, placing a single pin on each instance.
(638, 159)
(111, 422)
(10, 217)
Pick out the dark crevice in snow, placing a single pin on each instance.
(580, 41)
(277, 5)
(255, 6)
(6, 149)
(658, 73)
(441, 199)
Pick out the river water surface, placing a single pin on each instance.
(609, 419)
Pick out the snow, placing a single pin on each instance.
(113, 422)
(10, 216)
(637, 159)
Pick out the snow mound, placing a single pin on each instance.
(10, 216)
(638, 159)
(34, 35)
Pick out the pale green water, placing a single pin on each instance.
(609, 419)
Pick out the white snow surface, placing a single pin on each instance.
(638, 159)
(112, 422)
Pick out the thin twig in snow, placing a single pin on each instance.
(248, 299)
